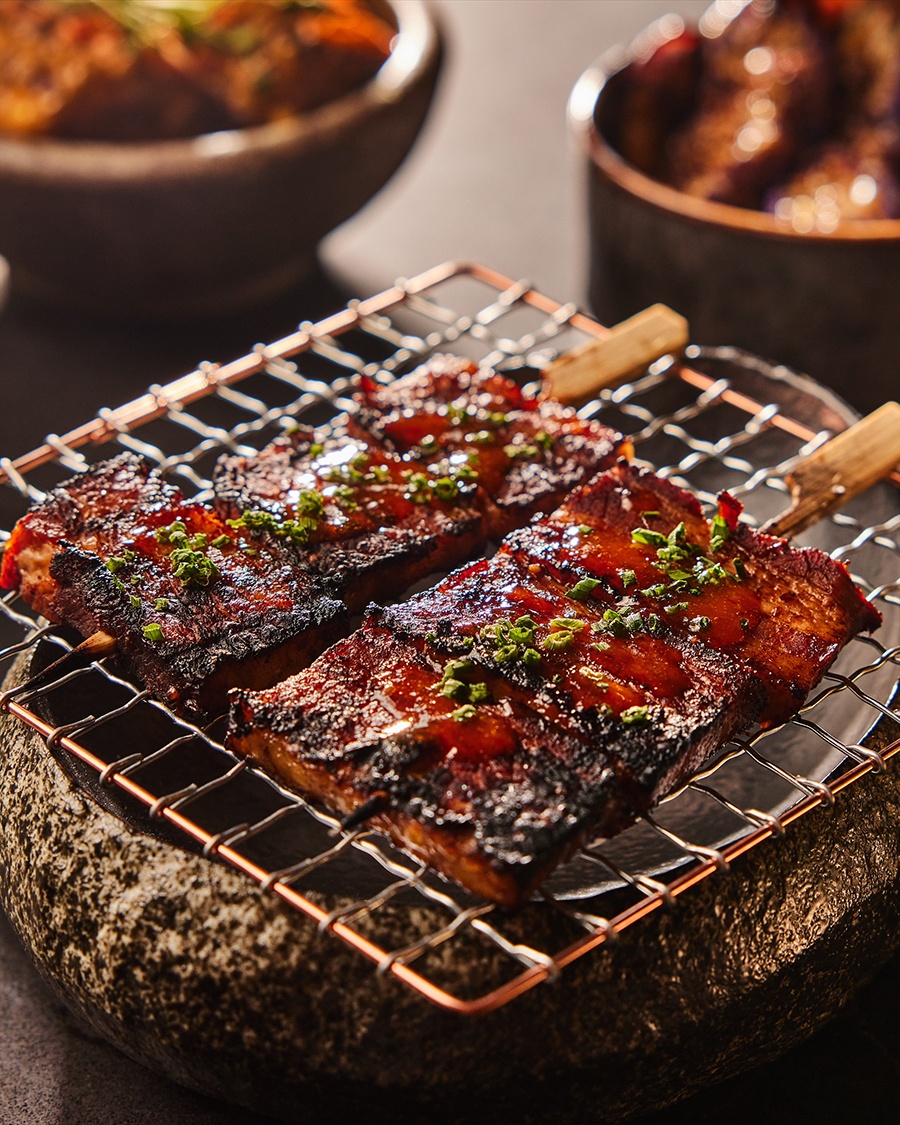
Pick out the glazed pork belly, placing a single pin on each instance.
(432, 467)
(557, 691)
(194, 606)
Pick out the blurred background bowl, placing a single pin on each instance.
(824, 304)
(216, 222)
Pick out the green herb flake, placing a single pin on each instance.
(629, 578)
(153, 633)
(555, 642)
(720, 533)
(221, 541)
(584, 529)
(316, 450)
(649, 538)
(478, 693)
(455, 689)
(497, 419)
(310, 503)
(544, 440)
(633, 715)
(161, 604)
(134, 600)
(464, 714)
(531, 657)
(739, 569)
(115, 563)
(583, 589)
(177, 529)
(192, 567)
(570, 624)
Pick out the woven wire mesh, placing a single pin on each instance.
(727, 422)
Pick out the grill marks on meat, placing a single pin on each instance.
(561, 688)
(95, 555)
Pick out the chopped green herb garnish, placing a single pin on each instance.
(739, 569)
(153, 633)
(639, 714)
(720, 532)
(554, 642)
(478, 693)
(310, 503)
(600, 646)
(583, 589)
(570, 624)
(115, 564)
(649, 538)
(316, 449)
(193, 567)
(161, 604)
(135, 600)
(175, 533)
(455, 689)
(464, 714)
(629, 578)
(221, 541)
(584, 529)
(544, 440)
(497, 419)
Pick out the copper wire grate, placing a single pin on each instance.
(731, 422)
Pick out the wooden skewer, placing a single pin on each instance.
(95, 646)
(839, 470)
(629, 347)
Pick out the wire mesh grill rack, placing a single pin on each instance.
(728, 421)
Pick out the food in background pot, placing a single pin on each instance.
(130, 70)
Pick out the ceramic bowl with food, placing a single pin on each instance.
(104, 219)
(781, 246)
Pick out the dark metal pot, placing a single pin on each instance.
(824, 304)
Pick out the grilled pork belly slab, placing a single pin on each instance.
(436, 463)
(379, 533)
(558, 690)
(194, 605)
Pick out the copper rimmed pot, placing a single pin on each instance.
(828, 305)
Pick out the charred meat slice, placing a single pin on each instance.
(561, 688)
(194, 608)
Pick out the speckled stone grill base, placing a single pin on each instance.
(187, 967)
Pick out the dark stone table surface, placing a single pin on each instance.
(493, 179)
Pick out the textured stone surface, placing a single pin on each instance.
(188, 968)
